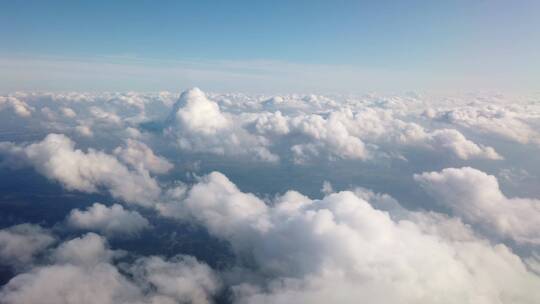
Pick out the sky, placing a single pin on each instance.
(273, 46)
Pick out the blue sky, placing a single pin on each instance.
(270, 46)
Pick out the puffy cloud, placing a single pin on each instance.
(476, 197)
(311, 135)
(196, 113)
(381, 126)
(48, 113)
(19, 244)
(348, 134)
(84, 130)
(56, 158)
(347, 247)
(131, 99)
(104, 116)
(296, 127)
(68, 112)
(113, 220)
(182, 279)
(342, 249)
(217, 202)
(454, 141)
(271, 123)
(330, 135)
(199, 125)
(495, 119)
(133, 133)
(140, 156)
(89, 249)
(82, 272)
(70, 284)
(18, 106)
(446, 140)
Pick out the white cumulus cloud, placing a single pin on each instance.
(199, 125)
(113, 220)
(19, 244)
(342, 249)
(476, 197)
(18, 106)
(57, 158)
(139, 155)
(83, 273)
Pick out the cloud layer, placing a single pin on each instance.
(201, 197)
(341, 248)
